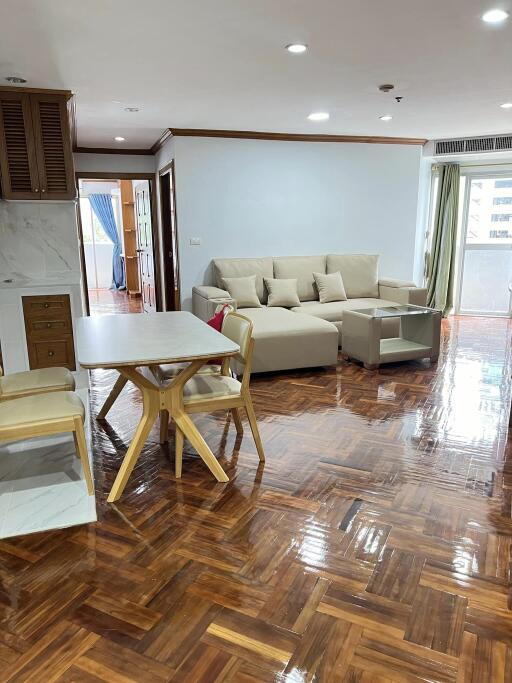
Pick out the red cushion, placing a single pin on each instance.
(216, 323)
(217, 320)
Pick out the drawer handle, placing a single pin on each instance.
(51, 353)
(47, 305)
(48, 324)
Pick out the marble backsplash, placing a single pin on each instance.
(38, 243)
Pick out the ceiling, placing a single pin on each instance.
(222, 64)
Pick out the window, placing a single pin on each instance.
(501, 234)
(90, 223)
(490, 200)
(495, 217)
(486, 260)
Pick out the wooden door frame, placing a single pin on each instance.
(172, 288)
(115, 175)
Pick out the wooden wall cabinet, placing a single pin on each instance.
(36, 158)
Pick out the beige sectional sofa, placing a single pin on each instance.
(307, 335)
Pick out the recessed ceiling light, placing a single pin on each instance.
(495, 16)
(386, 117)
(506, 105)
(318, 116)
(297, 48)
(131, 109)
(118, 138)
(16, 79)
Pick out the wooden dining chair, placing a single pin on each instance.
(30, 382)
(218, 390)
(46, 414)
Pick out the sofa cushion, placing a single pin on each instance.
(330, 287)
(302, 268)
(284, 340)
(243, 291)
(333, 312)
(360, 273)
(242, 267)
(282, 292)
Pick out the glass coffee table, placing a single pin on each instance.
(420, 331)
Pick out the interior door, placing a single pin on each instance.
(486, 275)
(170, 239)
(145, 246)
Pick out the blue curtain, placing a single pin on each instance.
(102, 206)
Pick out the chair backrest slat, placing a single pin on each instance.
(238, 328)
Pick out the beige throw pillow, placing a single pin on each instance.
(330, 287)
(282, 292)
(243, 291)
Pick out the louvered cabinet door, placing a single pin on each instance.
(18, 164)
(53, 146)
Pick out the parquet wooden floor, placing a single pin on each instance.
(373, 546)
(108, 301)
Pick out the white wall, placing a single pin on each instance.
(422, 215)
(116, 163)
(258, 198)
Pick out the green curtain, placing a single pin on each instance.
(441, 260)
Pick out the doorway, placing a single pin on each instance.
(485, 282)
(117, 245)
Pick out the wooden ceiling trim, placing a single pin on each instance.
(294, 137)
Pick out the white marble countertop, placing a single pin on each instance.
(21, 282)
(109, 341)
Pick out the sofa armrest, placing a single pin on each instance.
(206, 299)
(393, 282)
(211, 292)
(402, 292)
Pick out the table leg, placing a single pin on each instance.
(151, 408)
(191, 432)
(174, 401)
(112, 397)
(164, 426)
(158, 399)
(178, 456)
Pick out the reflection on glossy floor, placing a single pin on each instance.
(372, 547)
(105, 301)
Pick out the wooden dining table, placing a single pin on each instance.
(132, 344)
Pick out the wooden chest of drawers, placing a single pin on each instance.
(49, 331)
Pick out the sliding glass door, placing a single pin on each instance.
(486, 259)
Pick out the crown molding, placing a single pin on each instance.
(166, 135)
(292, 137)
(251, 135)
(110, 150)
